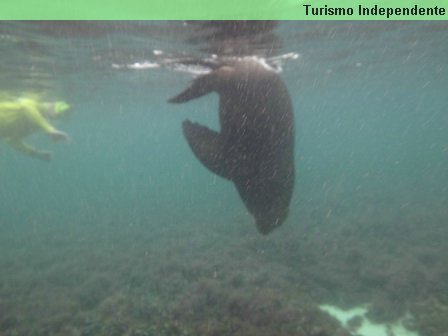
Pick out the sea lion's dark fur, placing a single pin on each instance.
(255, 147)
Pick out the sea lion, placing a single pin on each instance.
(255, 147)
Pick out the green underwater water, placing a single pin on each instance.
(125, 233)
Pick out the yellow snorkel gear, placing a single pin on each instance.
(55, 110)
(60, 107)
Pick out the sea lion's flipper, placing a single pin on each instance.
(207, 147)
(200, 87)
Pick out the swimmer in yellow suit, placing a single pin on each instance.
(23, 116)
